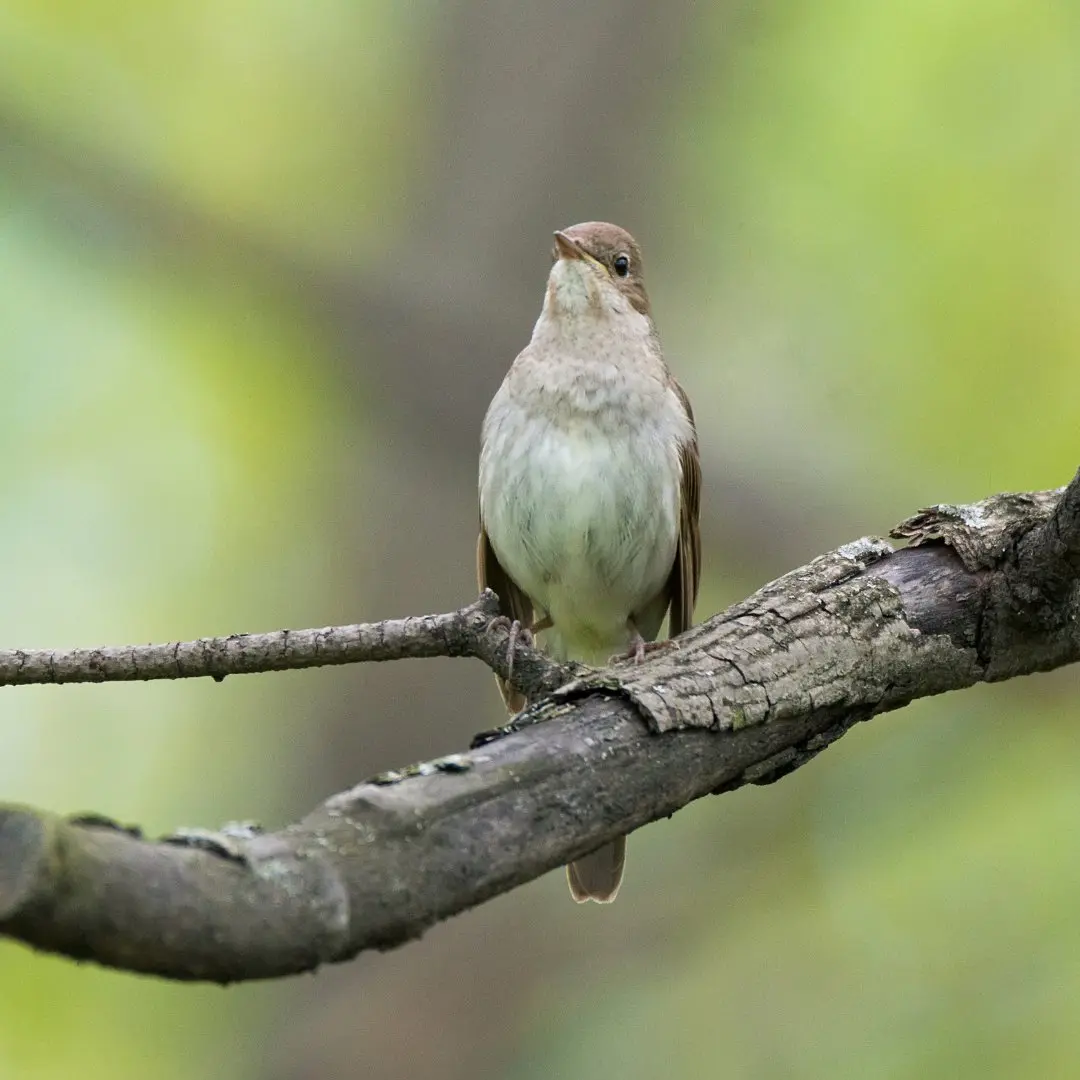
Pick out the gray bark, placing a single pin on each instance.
(984, 593)
(466, 632)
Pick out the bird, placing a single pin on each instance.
(589, 482)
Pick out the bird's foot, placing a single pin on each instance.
(517, 631)
(639, 648)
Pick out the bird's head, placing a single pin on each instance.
(596, 268)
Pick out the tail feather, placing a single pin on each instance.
(598, 875)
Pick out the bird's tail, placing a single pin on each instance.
(598, 875)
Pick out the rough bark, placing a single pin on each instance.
(984, 592)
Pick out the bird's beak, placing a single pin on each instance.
(567, 248)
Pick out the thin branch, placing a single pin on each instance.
(465, 632)
(746, 697)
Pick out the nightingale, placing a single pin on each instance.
(590, 480)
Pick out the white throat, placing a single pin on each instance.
(577, 288)
(582, 310)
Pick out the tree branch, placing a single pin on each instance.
(468, 631)
(983, 593)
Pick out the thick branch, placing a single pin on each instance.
(979, 596)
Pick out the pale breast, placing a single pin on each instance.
(581, 505)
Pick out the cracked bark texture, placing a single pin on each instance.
(984, 593)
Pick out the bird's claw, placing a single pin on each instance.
(521, 633)
(516, 632)
(640, 648)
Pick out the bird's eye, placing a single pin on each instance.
(622, 265)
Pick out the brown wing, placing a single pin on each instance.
(686, 571)
(513, 603)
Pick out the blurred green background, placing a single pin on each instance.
(262, 266)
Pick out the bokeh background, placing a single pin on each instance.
(262, 265)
